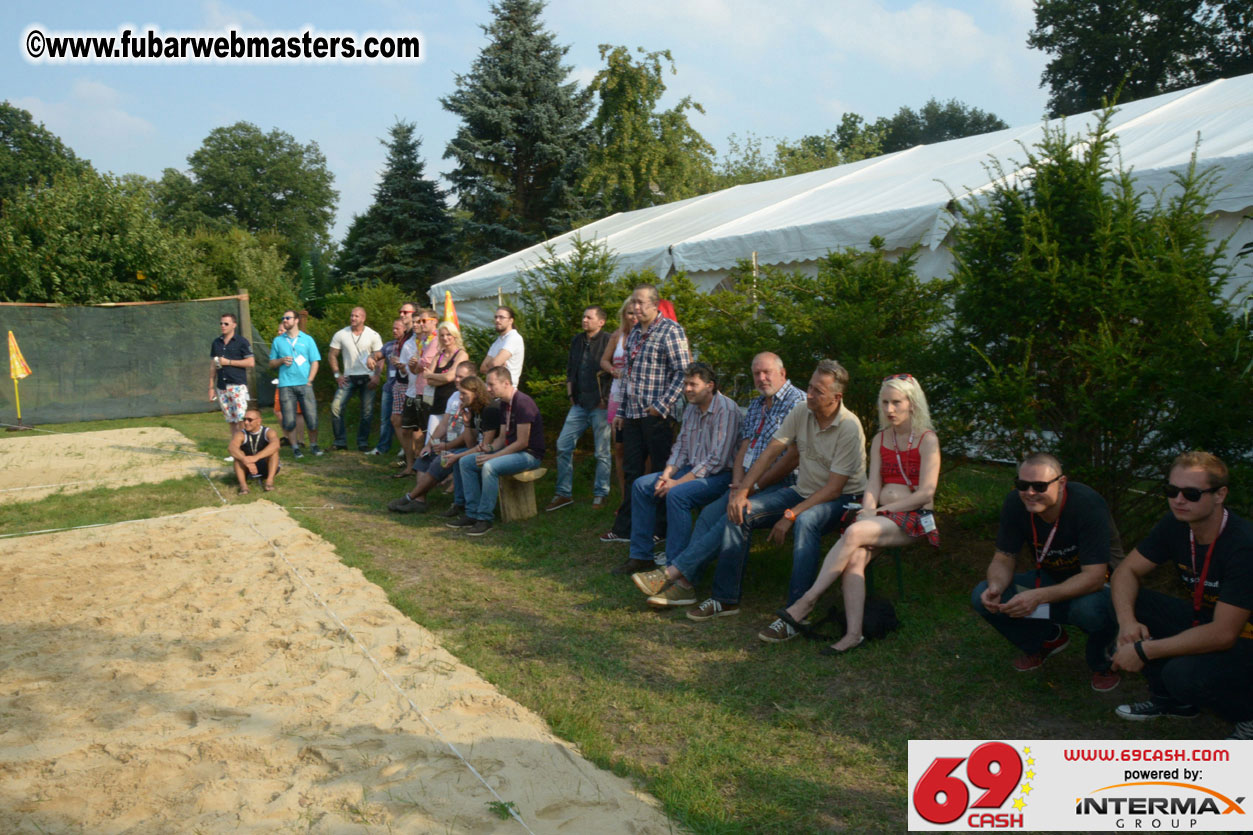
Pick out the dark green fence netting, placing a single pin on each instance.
(103, 362)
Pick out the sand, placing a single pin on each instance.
(176, 675)
(34, 465)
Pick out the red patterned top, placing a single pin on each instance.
(890, 461)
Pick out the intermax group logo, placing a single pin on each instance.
(1159, 804)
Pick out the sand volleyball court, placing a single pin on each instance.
(36, 464)
(175, 676)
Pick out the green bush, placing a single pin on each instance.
(1090, 321)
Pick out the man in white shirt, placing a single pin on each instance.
(357, 343)
(508, 349)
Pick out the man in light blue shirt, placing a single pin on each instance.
(296, 357)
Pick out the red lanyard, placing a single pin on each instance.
(639, 346)
(1041, 553)
(1198, 592)
(900, 466)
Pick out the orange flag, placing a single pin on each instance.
(18, 369)
(450, 312)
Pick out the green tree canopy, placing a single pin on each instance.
(641, 157)
(934, 122)
(261, 182)
(405, 237)
(1137, 48)
(88, 239)
(30, 154)
(520, 150)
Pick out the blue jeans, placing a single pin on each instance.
(358, 386)
(1093, 613)
(386, 432)
(291, 396)
(481, 485)
(764, 510)
(705, 541)
(680, 502)
(577, 420)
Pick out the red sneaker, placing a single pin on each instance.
(1026, 663)
(1105, 681)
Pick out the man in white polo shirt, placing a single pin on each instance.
(357, 343)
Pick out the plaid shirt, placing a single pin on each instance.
(654, 370)
(708, 439)
(760, 425)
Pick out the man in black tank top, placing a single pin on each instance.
(255, 452)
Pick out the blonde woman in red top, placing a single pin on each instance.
(896, 508)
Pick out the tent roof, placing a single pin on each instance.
(900, 197)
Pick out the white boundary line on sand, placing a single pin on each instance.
(399, 690)
(338, 622)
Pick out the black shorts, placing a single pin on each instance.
(263, 469)
(415, 414)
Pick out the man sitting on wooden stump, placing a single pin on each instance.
(518, 448)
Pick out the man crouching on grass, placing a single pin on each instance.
(1196, 652)
(255, 451)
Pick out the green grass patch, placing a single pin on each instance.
(732, 735)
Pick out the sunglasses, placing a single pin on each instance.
(1022, 486)
(898, 377)
(1192, 494)
(285, 318)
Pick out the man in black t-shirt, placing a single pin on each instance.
(228, 377)
(1195, 652)
(518, 448)
(1072, 539)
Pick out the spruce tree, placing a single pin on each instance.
(520, 150)
(405, 237)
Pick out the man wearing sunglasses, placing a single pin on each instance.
(296, 356)
(1072, 539)
(228, 378)
(1196, 652)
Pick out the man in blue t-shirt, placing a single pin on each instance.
(517, 448)
(1197, 651)
(295, 355)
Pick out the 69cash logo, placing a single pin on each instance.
(987, 789)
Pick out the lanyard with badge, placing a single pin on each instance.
(1198, 592)
(1041, 553)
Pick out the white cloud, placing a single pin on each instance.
(91, 120)
(219, 16)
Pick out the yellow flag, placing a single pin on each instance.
(17, 365)
(450, 312)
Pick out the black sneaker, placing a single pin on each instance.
(613, 537)
(297, 452)
(461, 521)
(316, 450)
(453, 512)
(339, 447)
(1153, 708)
(479, 528)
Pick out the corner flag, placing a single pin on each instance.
(18, 369)
(450, 312)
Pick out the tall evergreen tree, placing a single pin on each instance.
(405, 237)
(520, 150)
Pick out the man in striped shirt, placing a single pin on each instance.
(657, 355)
(698, 472)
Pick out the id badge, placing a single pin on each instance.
(927, 520)
(299, 360)
(1040, 612)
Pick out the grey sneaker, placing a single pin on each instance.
(453, 512)
(296, 452)
(673, 595)
(711, 609)
(651, 582)
(407, 505)
(479, 528)
(461, 521)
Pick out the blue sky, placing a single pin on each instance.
(783, 68)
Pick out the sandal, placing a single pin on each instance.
(409, 474)
(831, 650)
(243, 491)
(268, 487)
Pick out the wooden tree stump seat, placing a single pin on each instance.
(517, 495)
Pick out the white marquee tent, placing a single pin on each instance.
(901, 197)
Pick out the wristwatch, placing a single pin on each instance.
(789, 515)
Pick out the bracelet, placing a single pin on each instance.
(1140, 651)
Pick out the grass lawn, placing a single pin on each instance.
(731, 734)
